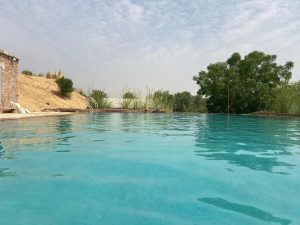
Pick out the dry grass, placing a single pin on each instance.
(36, 93)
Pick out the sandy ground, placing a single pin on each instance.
(13, 116)
(36, 93)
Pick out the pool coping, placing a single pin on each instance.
(16, 116)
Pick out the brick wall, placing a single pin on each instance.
(9, 80)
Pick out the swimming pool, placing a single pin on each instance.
(150, 169)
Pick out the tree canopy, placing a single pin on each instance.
(247, 84)
(129, 95)
(183, 102)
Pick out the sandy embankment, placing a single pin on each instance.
(37, 93)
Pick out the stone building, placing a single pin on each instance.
(8, 80)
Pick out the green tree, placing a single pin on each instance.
(129, 95)
(183, 102)
(213, 84)
(65, 86)
(198, 104)
(246, 85)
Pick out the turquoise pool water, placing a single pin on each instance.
(150, 169)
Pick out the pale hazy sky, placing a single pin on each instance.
(113, 44)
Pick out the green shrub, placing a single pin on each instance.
(198, 104)
(148, 102)
(101, 98)
(287, 99)
(48, 75)
(65, 86)
(296, 105)
(183, 102)
(283, 99)
(27, 72)
(128, 100)
(129, 95)
(138, 103)
(163, 100)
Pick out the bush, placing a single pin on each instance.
(283, 99)
(287, 99)
(27, 72)
(199, 104)
(183, 102)
(163, 100)
(101, 98)
(65, 86)
(296, 105)
(129, 95)
(128, 99)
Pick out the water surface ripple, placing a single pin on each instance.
(150, 169)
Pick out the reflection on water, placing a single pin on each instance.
(250, 161)
(249, 142)
(152, 163)
(245, 210)
(5, 173)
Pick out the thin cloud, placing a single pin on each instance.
(141, 43)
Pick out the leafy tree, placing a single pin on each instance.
(213, 84)
(129, 95)
(246, 85)
(183, 102)
(65, 86)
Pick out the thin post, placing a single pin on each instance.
(228, 93)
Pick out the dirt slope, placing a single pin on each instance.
(36, 93)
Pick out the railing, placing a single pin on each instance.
(88, 101)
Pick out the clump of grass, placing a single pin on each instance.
(163, 100)
(138, 102)
(133, 100)
(128, 99)
(287, 99)
(148, 102)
